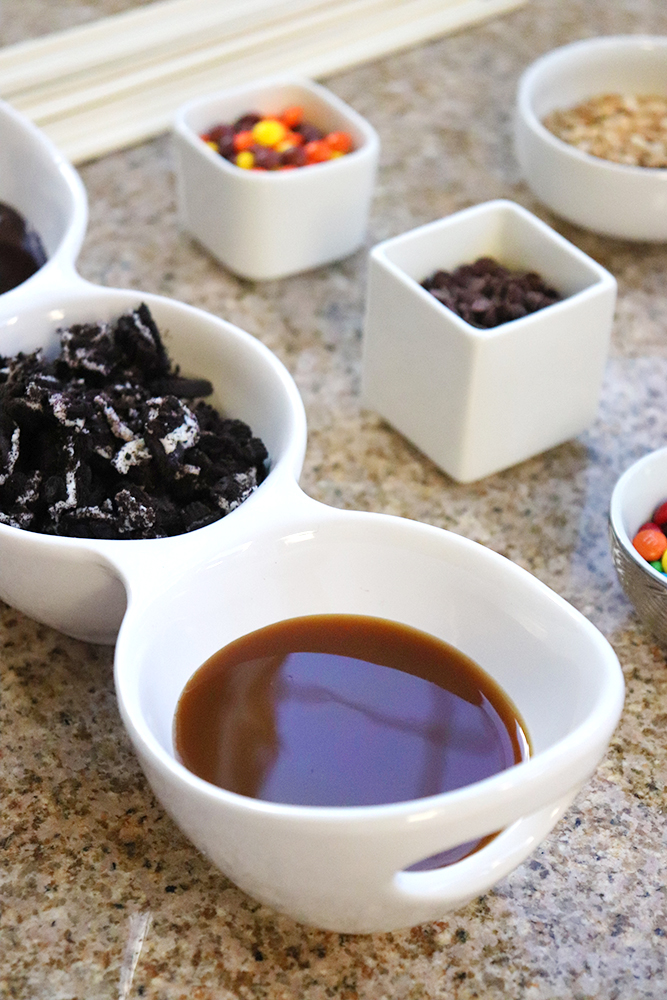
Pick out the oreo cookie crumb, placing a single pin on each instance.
(109, 440)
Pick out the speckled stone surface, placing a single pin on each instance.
(100, 895)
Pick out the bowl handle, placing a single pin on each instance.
(429, 893)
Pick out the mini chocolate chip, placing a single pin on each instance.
(486, 293)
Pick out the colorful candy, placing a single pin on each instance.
(650, 541)
(279, 142)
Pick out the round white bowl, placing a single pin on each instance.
(37, 180)
(636, 495)
(609, 198)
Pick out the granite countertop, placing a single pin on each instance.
(100, 895)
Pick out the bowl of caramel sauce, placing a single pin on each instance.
(363, 721)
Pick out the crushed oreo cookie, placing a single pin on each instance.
(109, 440)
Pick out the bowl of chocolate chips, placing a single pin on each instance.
(591, 134)
(43, 211)
(485, 337)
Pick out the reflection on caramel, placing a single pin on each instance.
(344, 710)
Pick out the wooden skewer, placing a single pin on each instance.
(112, 80)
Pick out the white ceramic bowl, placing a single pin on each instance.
(76, 584)
(341, 868)
(477, 401)
(264, 225)
(635, 497)
(281, 554)
(609, 198)
(38, 182)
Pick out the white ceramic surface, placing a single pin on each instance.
(608, 198)
(264, 225)
(635, 497)
(41, 184)
(477, 401)
(343, 868)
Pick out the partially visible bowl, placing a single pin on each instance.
(37, 181)
(609, 198)
(636, 495)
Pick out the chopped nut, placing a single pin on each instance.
(624, 129)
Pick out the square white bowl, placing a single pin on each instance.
(269, 224)
(480, 400)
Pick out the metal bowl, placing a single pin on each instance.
(636, 495)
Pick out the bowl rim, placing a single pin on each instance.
(533, 73)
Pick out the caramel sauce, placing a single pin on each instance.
(344, 710)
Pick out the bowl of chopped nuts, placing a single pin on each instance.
(591, 134)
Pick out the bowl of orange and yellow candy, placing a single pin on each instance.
(242, 192)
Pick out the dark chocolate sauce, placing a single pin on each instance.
(344, 710)
(21, 250)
